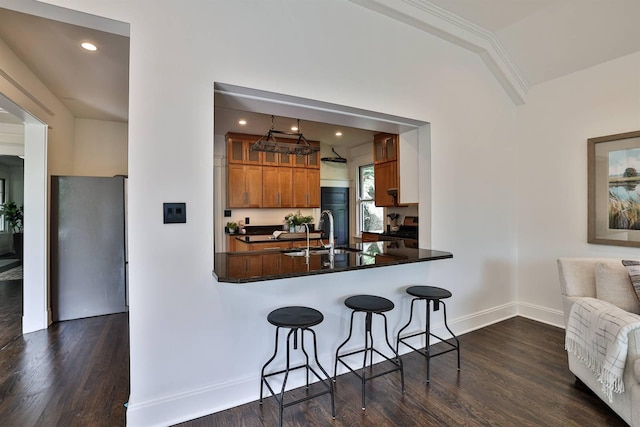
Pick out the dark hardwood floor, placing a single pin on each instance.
(514, 373)
(76, 373)
(10, 311)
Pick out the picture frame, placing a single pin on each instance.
(613, 169)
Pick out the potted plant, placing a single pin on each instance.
(14, 215)
(231, 227)
(295, 221)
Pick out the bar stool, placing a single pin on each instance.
(436, 295)
(296, 318)
(369, 304)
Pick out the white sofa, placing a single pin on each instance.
(607, 279)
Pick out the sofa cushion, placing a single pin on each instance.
(614, 285)
(633, 268)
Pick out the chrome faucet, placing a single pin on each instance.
(332, 244)
(306, 254)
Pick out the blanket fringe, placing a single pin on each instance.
(588, 359)
(610, 382)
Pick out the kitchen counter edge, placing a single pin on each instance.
(423, 255)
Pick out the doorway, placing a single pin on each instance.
(336, 199)
(35, 312)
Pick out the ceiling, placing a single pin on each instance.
(547, 39)
(541, 39)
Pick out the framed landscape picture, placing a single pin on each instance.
(614, 189)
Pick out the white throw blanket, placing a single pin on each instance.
(598, 335)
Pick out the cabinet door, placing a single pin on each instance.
(306, 188)
(253, 186)
(277, 187)
(386, 176)
(244, 266)
(308, 161)
(239, 150)
(244, 186)
(299, 188)
(391, 147)
(385, 147)
(236, 195)
(271, 187)
(277, 159)
(313, 189)
(378, 150)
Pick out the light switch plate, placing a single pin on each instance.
(174, 213)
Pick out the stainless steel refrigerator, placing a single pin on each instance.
(88, 246)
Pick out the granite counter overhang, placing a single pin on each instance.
(255, 266)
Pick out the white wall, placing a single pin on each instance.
(334, 174)
(553, 128)
(196, 345)
(100, 148)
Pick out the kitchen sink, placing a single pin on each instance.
(316, 251)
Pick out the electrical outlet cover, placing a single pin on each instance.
(174, 213)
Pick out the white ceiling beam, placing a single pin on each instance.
(450, 27)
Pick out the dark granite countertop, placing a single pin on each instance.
(255, 266)
(262, 238)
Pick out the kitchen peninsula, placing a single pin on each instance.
(254, 266)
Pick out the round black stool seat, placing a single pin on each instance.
(428, 292)
(295, 317)
(369, 303)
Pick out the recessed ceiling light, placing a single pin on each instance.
(89, 46)
(294, 128)
(338, 133)
(242, 122)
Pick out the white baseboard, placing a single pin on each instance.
(542, 314)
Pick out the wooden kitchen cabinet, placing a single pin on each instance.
(306, 188)
(303, 243)
(260, 246)
(310, 161)
(276, 264)
(230, 243)
(270, 180)
(239, 149)
(370, 237)
(385, 167)
(386, 177)
(277, 159)
(244, 186)
(244, 266)
(278, 187)
(385, 148)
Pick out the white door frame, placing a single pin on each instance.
(36, 314)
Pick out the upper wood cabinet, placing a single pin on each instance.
(386, 177)
(310, 161)
(385, 156)
(270, 180)
(244, 186)
(306, 188)
(277, 187)
(385, 148)
(277, 159)
(239, 149)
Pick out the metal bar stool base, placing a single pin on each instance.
(296, 319)
(369, 304)
(429, 294)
